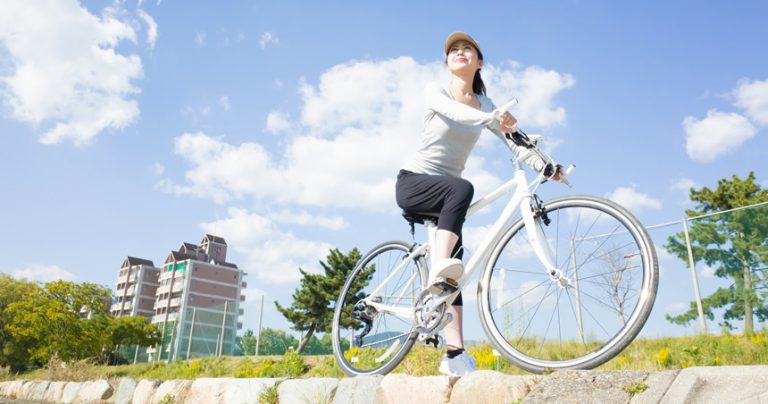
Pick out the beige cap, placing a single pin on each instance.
(460, 36)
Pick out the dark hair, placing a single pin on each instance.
(478, 87)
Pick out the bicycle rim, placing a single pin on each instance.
(610, 263)
(390, 336)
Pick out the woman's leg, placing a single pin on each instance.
(449, 197)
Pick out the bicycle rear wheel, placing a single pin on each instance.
(610, 264)
(366, 340)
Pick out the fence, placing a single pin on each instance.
(192, 333)
(717, 253)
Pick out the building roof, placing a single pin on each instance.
(188, 247)
(212, 238)
(138, 261)
(180, 256)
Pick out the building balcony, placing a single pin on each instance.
(244, 285)
(167, 275)
(125, 306)
(175, 302)
(131, 291)
(177, 287)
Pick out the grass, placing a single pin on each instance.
(642, 354)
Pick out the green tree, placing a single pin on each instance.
(275, 342)
(127, 331)
(248, 343)
(48, 320)
(13, 350)
(311, 309)
(734, 244)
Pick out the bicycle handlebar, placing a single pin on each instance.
(520, 138)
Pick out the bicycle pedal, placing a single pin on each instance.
(443, 285)
(435, 342)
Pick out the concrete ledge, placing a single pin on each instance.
(719, 384)
(734, 384)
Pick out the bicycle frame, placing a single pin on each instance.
(521, 200)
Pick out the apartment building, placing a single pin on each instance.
(136, 287)
(198, 301)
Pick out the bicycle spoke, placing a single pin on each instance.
(534, 314)
(523, 294)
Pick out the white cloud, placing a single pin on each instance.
(268, 38)
(67, 71)
(684, 184)
(151, 27)
(42, 273)
(278, 122)
(200, 39)
(305, 219)
(271, 255)
(629, 198)
(752, 96)
(158, 169)
(715, 135)
(534, 87)
(675, 308)
(357, 126)
(224, 101)
(706, 271)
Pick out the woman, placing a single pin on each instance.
(430, 182)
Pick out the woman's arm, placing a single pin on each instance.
(437, 100)
(532, 160)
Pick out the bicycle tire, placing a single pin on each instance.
(579, 349)
(395, 344)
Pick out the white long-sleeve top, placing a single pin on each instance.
(451, 130)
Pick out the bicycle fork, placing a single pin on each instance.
(533, 227)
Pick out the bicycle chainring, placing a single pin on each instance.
(428, 319)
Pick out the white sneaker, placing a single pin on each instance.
(461, 364)
(449, 268)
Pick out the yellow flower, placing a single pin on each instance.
(662, 357)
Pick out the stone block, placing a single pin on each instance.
(13, 389)
(34, 390)
(358, 390)
(55, 392)
(719, 384)
(175, 388)
(206, 390)
(70, 392)
(398, 388)
(246, 391)
(487, 386)
(585, 386)
(316, 390)
(125, 389)
(94, 392)
(658, 383)
(144, 391)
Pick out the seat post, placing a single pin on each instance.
(431, 228)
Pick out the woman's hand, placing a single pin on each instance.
(507, 122)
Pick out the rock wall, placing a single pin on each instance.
(748, 384)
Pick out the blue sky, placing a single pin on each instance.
(127, 128)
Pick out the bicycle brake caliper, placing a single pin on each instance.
(538, 210)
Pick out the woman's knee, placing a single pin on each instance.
(463, 191)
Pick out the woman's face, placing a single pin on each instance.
(462, 56)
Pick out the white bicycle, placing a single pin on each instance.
(567, 284)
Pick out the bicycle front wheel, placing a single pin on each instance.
(610, 280)
(373, 338)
